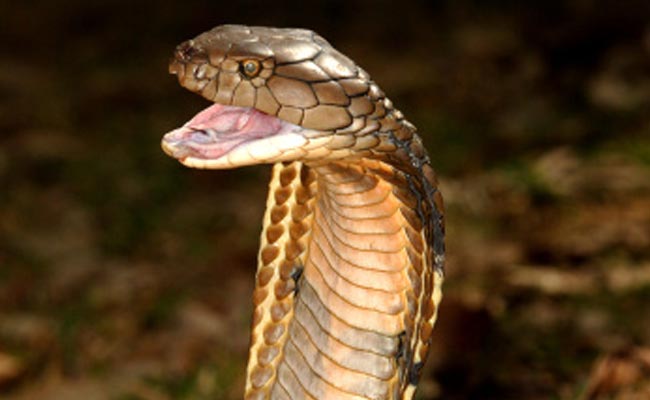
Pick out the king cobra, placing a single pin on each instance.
(351, 259)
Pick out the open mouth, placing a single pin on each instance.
(219, 130)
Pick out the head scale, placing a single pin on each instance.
(293, 74)
(290, 76)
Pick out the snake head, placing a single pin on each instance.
(279, 95)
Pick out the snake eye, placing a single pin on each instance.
(250, 68)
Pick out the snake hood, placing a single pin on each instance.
(281, 95)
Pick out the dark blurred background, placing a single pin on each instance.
(125, 276)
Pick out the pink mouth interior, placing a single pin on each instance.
(218, 129)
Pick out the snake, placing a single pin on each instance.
(352, 254)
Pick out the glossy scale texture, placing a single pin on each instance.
(352, 249)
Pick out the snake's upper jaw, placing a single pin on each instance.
(227, 137)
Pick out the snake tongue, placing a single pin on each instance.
(218, 129)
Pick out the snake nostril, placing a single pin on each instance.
(186, 51)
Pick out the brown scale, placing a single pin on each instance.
(274, 276)
(369, 186)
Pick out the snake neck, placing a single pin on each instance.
(344, 285)
(361, 282)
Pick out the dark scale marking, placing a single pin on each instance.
(296, 274)
(405, 146)
(415, 372)
(418, 196)
(435, 231)
(436, 219)
(400, 345)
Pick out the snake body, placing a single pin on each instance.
(352, 249)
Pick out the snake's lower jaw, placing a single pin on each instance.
(171, 150)
(223, 137)
(284, 147)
